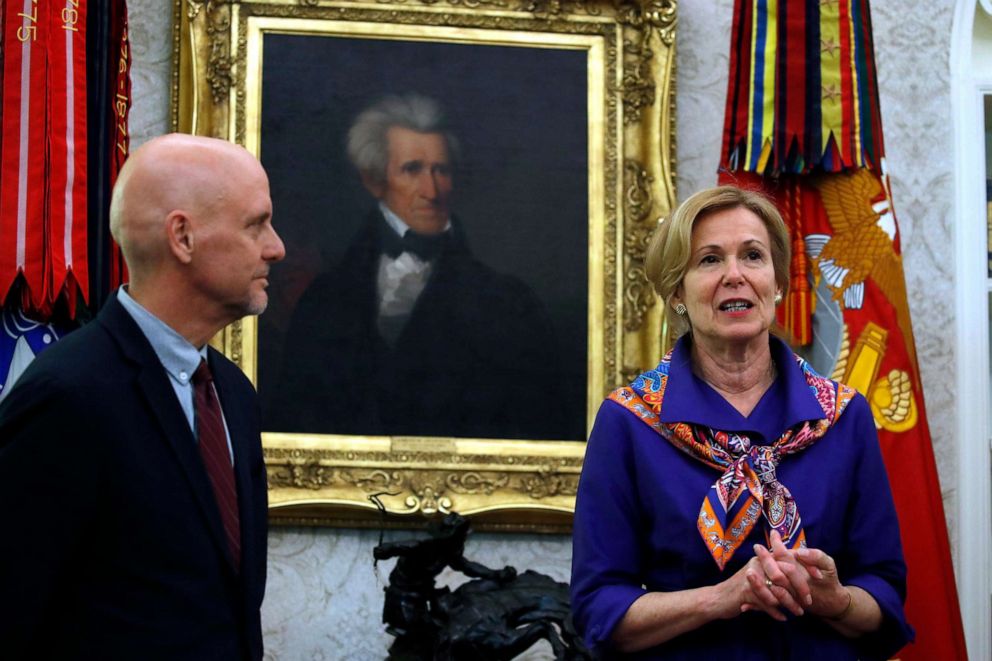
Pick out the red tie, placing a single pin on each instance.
(216, 457)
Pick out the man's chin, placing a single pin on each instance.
(256, 306)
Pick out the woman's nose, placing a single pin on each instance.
(732, 274)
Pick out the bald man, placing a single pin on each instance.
(132, 487)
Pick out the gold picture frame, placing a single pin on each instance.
(628, 51)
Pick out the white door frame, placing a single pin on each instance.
(968, 86)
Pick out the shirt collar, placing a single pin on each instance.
(179, 358)
(690, 399)
(397, 223)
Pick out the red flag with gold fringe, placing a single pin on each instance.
(803, 124)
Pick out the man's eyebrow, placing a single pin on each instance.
(259, 218)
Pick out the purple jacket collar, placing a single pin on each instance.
(788, 402)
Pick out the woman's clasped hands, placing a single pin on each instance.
(798, 581)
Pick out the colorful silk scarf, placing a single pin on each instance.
(748, 486)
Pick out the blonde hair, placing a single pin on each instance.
(667, 257)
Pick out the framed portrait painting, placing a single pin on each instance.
(527, 147)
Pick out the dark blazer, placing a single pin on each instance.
(473, 359)
(113, 546)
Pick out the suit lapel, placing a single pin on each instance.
(153, 384)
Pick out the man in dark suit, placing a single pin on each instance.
(132, 486)
(410, 334)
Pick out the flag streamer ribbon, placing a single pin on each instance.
(67, 152)
(806, 70)
(120, 67)
(23, 164)
(43, 155)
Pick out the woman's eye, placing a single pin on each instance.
(708, 259)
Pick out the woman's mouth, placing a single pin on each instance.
(736, 306)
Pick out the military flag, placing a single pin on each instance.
(803, 124)
(51, 103)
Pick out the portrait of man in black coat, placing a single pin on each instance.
(409, 333)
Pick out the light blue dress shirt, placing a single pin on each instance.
(179, 358)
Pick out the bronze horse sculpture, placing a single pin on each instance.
(496, 616)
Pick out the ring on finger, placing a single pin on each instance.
(768, 583)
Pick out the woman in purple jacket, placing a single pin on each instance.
(733, 503)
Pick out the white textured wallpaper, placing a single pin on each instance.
(323, 600)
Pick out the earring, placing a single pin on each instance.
(778, 298)
(680, 309)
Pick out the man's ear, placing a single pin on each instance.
(373, 185)
(179, 233)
